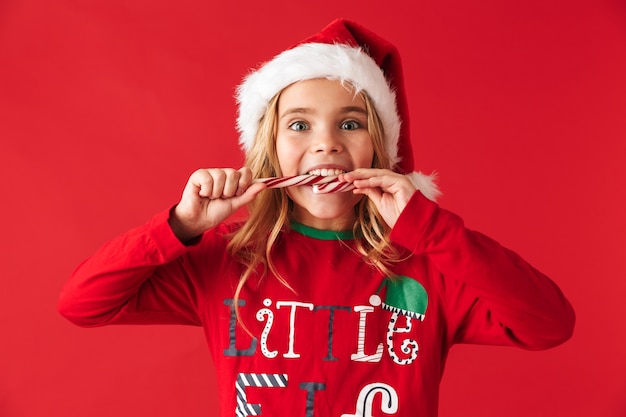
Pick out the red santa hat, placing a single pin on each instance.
(348, 52)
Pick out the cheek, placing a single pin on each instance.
(366, 155)
(288, 158)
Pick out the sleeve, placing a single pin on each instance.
(505, 300)
(141, 277)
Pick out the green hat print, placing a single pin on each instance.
(404, 296)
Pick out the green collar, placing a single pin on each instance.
(322, 234)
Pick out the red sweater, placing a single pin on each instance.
(346, 341)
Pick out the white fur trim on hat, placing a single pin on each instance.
(317, 60)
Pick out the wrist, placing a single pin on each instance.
(184, 233)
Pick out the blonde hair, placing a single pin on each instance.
(269, 212)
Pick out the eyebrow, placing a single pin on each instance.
(306, 110)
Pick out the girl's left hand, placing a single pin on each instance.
(390, 191)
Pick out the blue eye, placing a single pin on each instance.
(350, 125)
(298, 126)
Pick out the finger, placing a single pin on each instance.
(363, 173)
(245, 179)
(219, 181)
(357, 174)
(200, 184)
(383, 182)
(374, 194)
(373, 182)
(391, 183)
(231, 183)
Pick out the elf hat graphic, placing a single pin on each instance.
(403, 296)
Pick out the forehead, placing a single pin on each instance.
(320, 93)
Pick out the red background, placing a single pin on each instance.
(107, 106)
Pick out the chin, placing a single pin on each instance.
(336, 207)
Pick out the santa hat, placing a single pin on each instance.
(347, 52)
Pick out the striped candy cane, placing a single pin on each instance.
(321, 184)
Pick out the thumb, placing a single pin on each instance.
(247, 196)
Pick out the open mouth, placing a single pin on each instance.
(326, 172)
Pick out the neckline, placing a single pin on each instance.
(322, 234)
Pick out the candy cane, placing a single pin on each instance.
(332, 187)
(321, 184)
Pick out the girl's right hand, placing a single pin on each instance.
(210, 197)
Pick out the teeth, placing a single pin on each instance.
(326, 172)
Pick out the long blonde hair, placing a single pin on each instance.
(269, 212)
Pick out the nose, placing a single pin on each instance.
(327, 141)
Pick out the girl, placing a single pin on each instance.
(322, 304)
